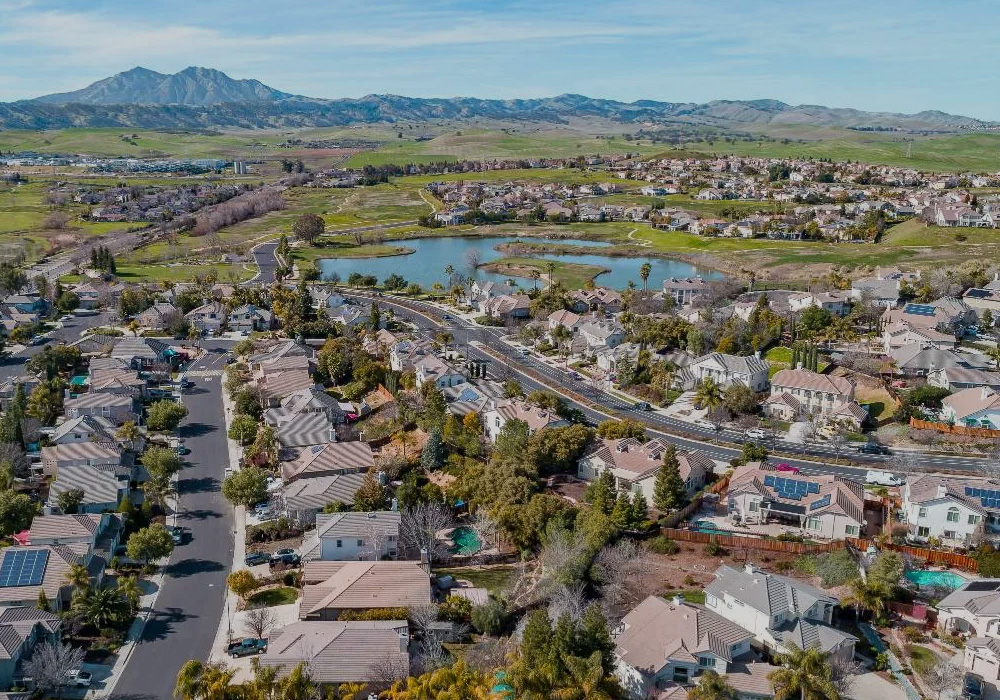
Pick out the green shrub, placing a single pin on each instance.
(790, 537)
(805, 565)
(662, 545)
(489, 618)
(714, 549)
(836, 568)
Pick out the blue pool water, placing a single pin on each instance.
(707, 526)
(943, 579)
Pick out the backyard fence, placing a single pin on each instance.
(934, 556)
(954, 429)
(742, 542)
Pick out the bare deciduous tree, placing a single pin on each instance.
(485, 528)
(375, 538)
(422, 617)
(50, 665)
(385, 671)
(943, 676)
(615, 565)
(259, 621)
(568, 600)
(420, 526)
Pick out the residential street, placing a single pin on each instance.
(13, 365)
(187, 612)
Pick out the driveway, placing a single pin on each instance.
(189, 607)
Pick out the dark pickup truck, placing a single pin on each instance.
(247, 647)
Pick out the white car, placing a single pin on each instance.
(882, 478)
(81, 679)
(706, 424)
(274, 483)
(756, 434)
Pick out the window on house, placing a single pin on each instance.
(706, 661)
(339, 544)
(361, 543)
(754, 506)
(812, 524)
(973, 520)
(923, 531)
(922, 513)
(953, 515)
(949, 535)
(851, 530)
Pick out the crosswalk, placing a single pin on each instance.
(204, 373)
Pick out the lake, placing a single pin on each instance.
(431, 256)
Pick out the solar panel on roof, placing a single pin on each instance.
(983, 586)
(820, 503)
(918, 310)
(978, 293)
(23, 567)
(813, 487)
(769, 481)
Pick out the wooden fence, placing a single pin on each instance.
(954, 429)
(743, 542)
(934, 556)
(684, 513)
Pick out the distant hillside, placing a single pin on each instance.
(192, 87)
(206, 98)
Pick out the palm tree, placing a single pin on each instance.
(993, 353)
(261, 687)
(297, 685)
(559, 334)
(133, 326)
(806, 673)
(129, 589)
(404, 439)
(100, 607)
(535, 276)
(159, 489)
(203, 681)
(449, 270)
(586, 679)
(712, 686)
(188, 685)
(708, 394)
(129, 432)
(868, 597)
(644, 275)
(550, 266)
(78, 577)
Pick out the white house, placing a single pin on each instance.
(837, 303)
(977, 407)
(974, 609)
(635, 465)
(684, 291)
(959, 511)
(354, 537)
(601, 334)
(800, 393)
(778, 610)
(441, 373)
(725, 370)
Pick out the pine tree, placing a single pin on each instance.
(43, 601)
(601, 493)
(640, 512)
(668, 491)
(433, 454)
(621, 513)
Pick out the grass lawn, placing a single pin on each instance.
(880, 404)
(493, 580)
(922, 659)
(182, 273)
(283, 595)
(345, 249)
(571, 275)
(690, 596)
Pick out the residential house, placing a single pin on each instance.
(404, 354)
(662, 644)
(84, 429)
(249, 318)
(915, 360)
(974, 609)
(778, 611)
(837, 303)
(48, 566)
(974, 408)
(607, 358)
(508, 308)
(22, 628)
(144, 354)
(431, 369)
(537, 418)
(601, 334)
(104, 486)
(276, 378)
(340, 652)
(304, 499)
(601, 299)
(208, 318)
(328, 460)
(99, 531)
(159, 316)
(635, 465)
(115, 408)
(822, 505)
(958, 378)
(567, 319)
(368, 536)
(959, 511)
(29, 304)
(938, 324)
(86, 454)
(797, 394)
(684, 291)
(307, 416)
(726, 370)
(334, 586)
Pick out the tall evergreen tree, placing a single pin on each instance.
(668, 491)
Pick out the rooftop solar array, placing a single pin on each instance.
(989, 498)
(983, 586)
(820, 503)
(23, 567)
(791, 489)
(979, 293)
(919, 309)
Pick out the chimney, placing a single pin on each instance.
(677, 600)
(942, 490)
(750, 568)
(404, 641)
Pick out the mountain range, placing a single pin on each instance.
(202, 98)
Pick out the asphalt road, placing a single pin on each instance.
(267, 263)
(684, 434)
(190, 604)
(13, 365)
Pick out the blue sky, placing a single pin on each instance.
(875, 54)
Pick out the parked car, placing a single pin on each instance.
(40, 340)
(176, 534)
(230, 360)
(882, 478)
(255, 558)
(642, 406)
(285, 556)
(79, 678)
(182, 450)
(756, 434)
(247, 647)
(785, 467)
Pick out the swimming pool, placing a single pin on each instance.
(466, 541)
(942, 579)
(708, 527)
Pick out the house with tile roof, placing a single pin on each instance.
(684, 291)
(115, 408)
(431, 369)
(822, 505)
(334, 586)
(799, 394)
(725, 370)
(208, 318)
(22, 628)
(973, 608)
(278, 377)
(778, 610)
(958, 510)
(83, 429)
(329, 459)
(958, 378)
(536, 417)
(306, 416)
(977, 407)
(249, 318)
(159, 316)
(507, 308)
(340, 652)
(304, 499)
(635, 465)
(603, 299)
(103, 486)
(663, 644)
(354, 537)
(45, 568)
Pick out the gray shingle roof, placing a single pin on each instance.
(771, 594)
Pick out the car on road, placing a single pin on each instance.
(187, 384)
(642, 406)
(285, 556)
(576, 376)
(79, 678)
(230, 360)
(446, 317)
(255, 558)
(882, 478)
(67, 317)
(176, 534)
(756, 434)
(786, 467)
(873, 448)
(40, 340)
(707, 424)
(247, 647)
(181, 450)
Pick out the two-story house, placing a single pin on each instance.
(799, 394)
(248, 318)
(974, 609)
(208, 318)
(684, 291)
(370, 536)
(778, 610)
(725, 370)
(601, 334)
(537, 418)
(431, 369)
(958, 510)
(635, 465)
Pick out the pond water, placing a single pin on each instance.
(431, 256)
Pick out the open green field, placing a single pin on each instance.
(570, 275)
(184, 273)
(978, 152)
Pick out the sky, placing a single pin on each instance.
(879, 55)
